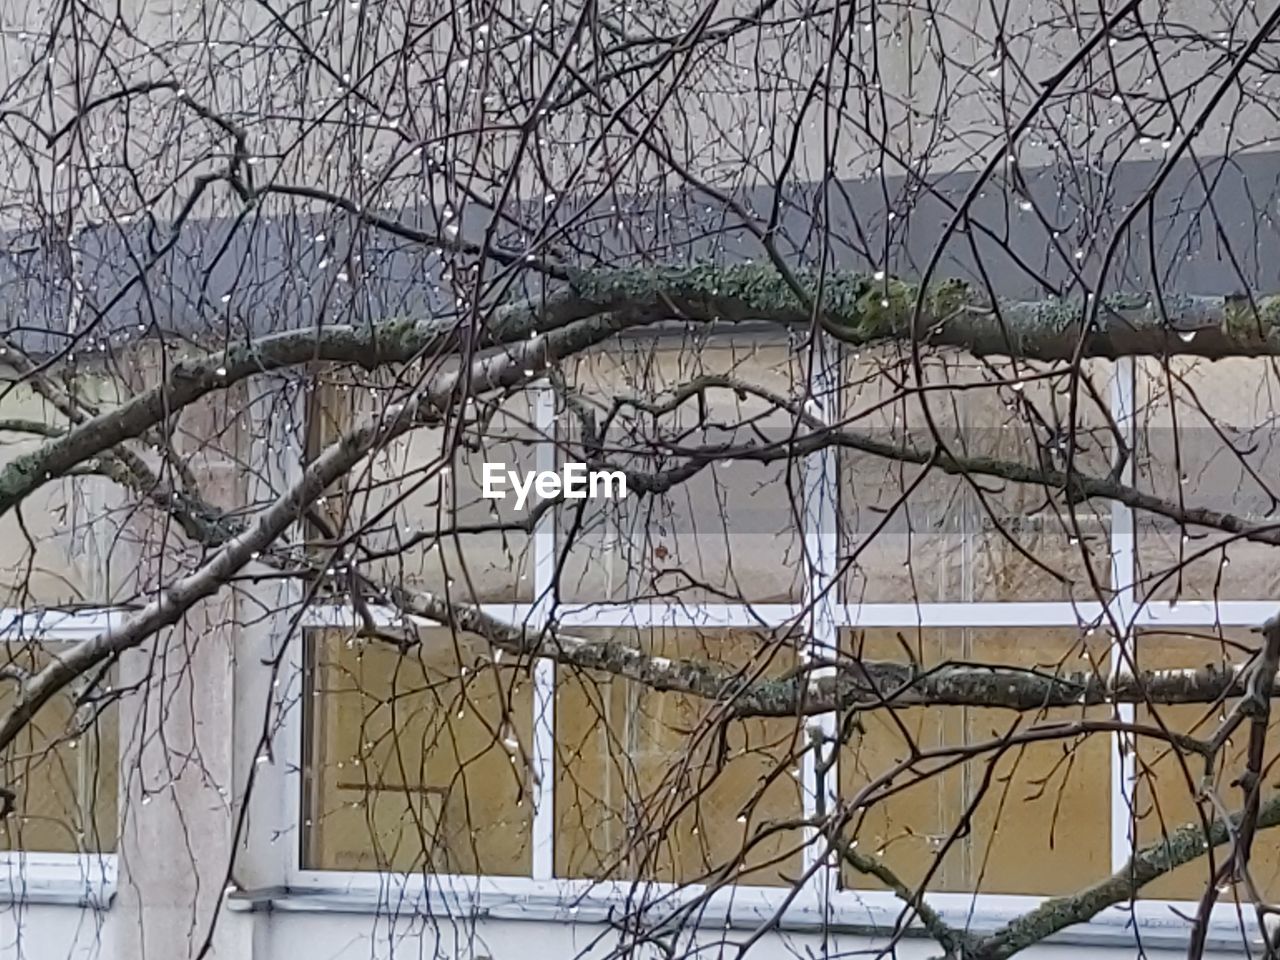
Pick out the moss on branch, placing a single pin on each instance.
(862, 308)
(859, 306)
(594, 305)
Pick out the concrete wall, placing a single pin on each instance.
(66, 932)
(865, 174)
(196, 729)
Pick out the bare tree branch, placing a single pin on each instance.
(1183, 845)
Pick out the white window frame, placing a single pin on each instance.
(822, 903)
(43, 877)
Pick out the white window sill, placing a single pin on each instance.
(1153, 924)
(60, 879)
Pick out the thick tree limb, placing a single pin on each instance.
(426, 405)
(861, 685)
(857, 309)
(861, 309)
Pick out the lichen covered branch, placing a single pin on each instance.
(854, 307)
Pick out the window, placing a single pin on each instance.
(418, 762)
(1039, 794)
(912, 535)
(729, 531)
(1206, 436)
(583, 778)
(1170, 780)
(414, 507)
(63, 766)
(646, 785)
(39, 561)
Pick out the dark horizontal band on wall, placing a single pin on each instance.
(1211, 231)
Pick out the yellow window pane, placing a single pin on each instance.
(907, 831)
(1206, 438)
(650, 785)
(1170, 779)
(920, 534)
(1037, 813)
(64, 768)
(417, 761)
(730, 531)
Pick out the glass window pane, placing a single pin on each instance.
(727, 533)
(1038, 812)
(64, 768)
(417, 761)
(919, 534)
(1207, 438)
(40, 564)
(1170, 779)
(417, 506)
(651, 785)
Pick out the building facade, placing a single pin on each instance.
(265, 781)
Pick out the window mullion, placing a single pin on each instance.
(1123, 571)
(544, 670)
(820, 601)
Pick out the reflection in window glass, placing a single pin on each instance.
(63, 766)
(659, 786)
(417, 761)
(913, 533)
(417, 505)
(1207, 438)
(728, 532)
(1038, 813)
